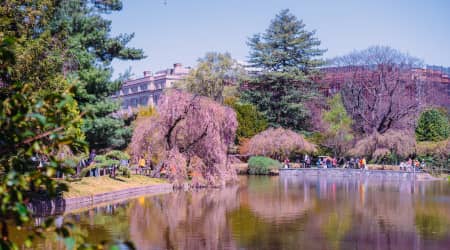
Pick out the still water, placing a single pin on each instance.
(280, 213)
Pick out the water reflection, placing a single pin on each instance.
(280, 213)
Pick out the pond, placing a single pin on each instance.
(279, 213)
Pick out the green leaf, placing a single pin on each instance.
(114, 247)
(70, 243)
(22, 210)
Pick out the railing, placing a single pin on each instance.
(435, 171)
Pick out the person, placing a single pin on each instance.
(423, 165)
(416, 165)
(306, 160)
(342, 162)
(91, 157)
(141, 162)
(286, 163)
(352, 163)
(328, 162)
(334, 162)
(319, 163)
(410, 163)
(364, 164)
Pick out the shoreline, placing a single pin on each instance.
(61, 205)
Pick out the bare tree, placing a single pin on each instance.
(380, 88)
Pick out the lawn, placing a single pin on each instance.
(103, 184)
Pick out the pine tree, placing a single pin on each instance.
(287, 56)
(91, 51)
(433, 125)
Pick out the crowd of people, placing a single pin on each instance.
(353, 163)
(412, 165)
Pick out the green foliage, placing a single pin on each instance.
(337, 116)
(39, 114)
(112, 157)
(212, 75)
(250, 121)
(118, 155)
(260, 165)
(433, 125)
(287, 56)
(339, 133)
(91, 49)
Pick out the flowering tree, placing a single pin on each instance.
(189, 138)
(392, 143)
(278, 143)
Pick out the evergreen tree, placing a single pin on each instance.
(433, 125)
(91, 51)
(287, 56)
(250, 121)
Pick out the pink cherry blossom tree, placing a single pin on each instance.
(188, 139)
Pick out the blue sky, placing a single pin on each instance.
(184, 30)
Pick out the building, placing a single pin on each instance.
(146, 91)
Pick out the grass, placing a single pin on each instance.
(103, 184)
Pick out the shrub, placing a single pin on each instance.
(126, 172)
(260, 165)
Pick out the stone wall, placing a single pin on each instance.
(46, 207)
(339, 172)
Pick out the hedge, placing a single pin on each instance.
(260, 165)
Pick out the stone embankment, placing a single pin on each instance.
(45, 207)
(338, 172)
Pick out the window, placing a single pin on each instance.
(143, 100)
(125, 91)
(134, 102)
(155, 98)
(125, 104)
(134, 89)
(144, 87)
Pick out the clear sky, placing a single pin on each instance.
(183, 30)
